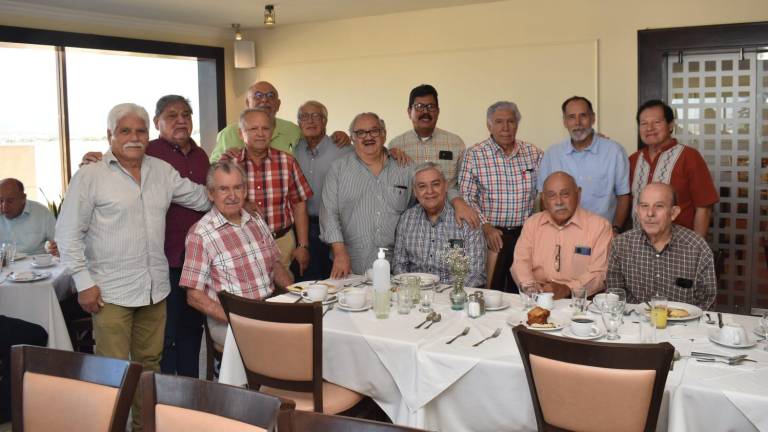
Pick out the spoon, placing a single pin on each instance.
(496, 333)
(330, 306)
(731, 358)
(427, 319)
(463, 333)
(726, 361)
(435, 319)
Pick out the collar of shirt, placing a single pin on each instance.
(644, 150)
(193, 147)
(444, 215)
(500, 150)
(423, 139)
(219, 220)
(592, 147)
(109, 159)
(387, 160)
(670, 244)
(26, 209)
(271, 153)
(577, 220)
(319, 148)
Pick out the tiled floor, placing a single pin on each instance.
(5, 427)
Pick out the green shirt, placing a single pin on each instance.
(285, 137)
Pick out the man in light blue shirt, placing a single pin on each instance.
(27, 223)
(315, 154)
(599, 165)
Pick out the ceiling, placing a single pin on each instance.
(248, 13)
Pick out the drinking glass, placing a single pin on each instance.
(527, 295)
(659, 311)
(10, 252)
(404, 300)
(613, 312)
(579, 299)
(426, 296)
(381, 303)
(764, 327)
(412, 285)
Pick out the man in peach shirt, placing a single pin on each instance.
(563, 247)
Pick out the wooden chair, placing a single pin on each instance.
(213, 351)
(592, 386)
(177, 403)
(57, 390)
(282, 350)
(306, 421)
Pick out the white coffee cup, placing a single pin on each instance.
(584, 326)
(354, 298)
(734, 334)
(317, 292)
(492, 299)
(42, 260)
(546, 300)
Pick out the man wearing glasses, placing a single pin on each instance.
(315, 154)
(426, 142)
(563, 247)
(264, 96)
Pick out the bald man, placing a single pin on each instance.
(563, 247)
(263, 95)
(27, 223)
(660, 257)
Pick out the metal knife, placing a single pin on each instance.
(720, 320)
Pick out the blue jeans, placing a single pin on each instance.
(320, 263)
(183, 332)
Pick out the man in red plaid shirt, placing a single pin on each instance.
(276, 188)
(229, 249)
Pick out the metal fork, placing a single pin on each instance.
(496, 333)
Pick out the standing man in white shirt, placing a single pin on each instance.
(111, 235)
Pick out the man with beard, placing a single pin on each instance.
(599, 165)
(426, 142)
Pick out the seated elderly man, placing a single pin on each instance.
(660, 257)
(563, 247)
(229, 249)
(28, 223)
(426, 230)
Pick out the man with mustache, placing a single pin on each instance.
(426, 142)
(664, 160)
(229, 249)
(565, 246)
(662, 257)
(599, 165)
(111, 234)
(264, 96)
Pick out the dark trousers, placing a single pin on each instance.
(183, 332)
(14, 332)
(320, 263)
(502, 277)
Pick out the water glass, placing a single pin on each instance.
(764, 328)
(381, 303)
(426, 298)
(579, 299)
(528, 294)
(659, 311)
(612, 320)
(404, 300)
(412, 285)
(10, 252)
(647, 329)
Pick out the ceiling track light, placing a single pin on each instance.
(269, 15)
(238, 35)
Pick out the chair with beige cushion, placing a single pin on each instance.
(592, 386)
(282, 350)
(57, 390)
(175, 403)
(305, 421)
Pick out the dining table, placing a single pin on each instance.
(38, 301)
(421, 381)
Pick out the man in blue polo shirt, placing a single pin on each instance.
(27, 223)
(599, 165)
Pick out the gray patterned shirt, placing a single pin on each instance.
(683, 271)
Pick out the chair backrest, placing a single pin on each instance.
(583, 385)
(57, 390)
(306, 421)
(176, 403)
(281, 344)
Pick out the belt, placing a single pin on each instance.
(279, 233)
(511, 230)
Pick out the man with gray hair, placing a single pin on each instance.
(229, 250)
(315, 154)
(426, 230)
(111, 233)
(498, 179)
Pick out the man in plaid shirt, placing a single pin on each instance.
(498, 179)
(229, 249)
(276, 188)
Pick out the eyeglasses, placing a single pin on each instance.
(312, 116)
(268, 95)
(424, 107)
(557, 258)
(374, 133)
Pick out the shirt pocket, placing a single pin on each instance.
(397, 198)
(599, 184)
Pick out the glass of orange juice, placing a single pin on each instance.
(659, 311)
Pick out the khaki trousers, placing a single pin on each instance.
(286, 244)
(134, 333)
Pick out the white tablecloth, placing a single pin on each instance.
(38, 302)
(420, 381)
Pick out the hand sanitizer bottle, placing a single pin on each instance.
(381, 285)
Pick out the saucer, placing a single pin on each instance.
(714, 336)
(344, 307)
(34, 264)
(330, 298)
(28, 276)
(300, 287)
(567, 332)
(427, 280)
(504, 304)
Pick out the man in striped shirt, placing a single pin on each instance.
(498, 179)
(229, 249)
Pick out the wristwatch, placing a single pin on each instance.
(301, 245)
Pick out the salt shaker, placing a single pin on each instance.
(473, 306)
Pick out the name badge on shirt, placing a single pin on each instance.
(583, 250)
(445, 155)
(684, 283)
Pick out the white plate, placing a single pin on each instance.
(426, 278)
(714, 336)
(559, 318)
(504, 304)
(299, 287)
(344, 307)
(328, 299)
(568, 333)
(694, 312)
(34, 264)
(28, 276)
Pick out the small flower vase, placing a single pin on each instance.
(458, 296)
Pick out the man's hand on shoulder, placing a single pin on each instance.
(340, 138)
(400, 156)
(465, 213)
(91, 157)
(231, 154)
